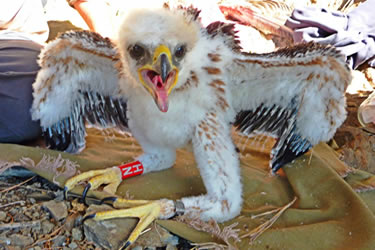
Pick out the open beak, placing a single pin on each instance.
(160, 77)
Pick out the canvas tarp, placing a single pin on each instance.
(334, 207)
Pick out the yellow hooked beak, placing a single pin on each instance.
(160, 77)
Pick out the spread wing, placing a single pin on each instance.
(295, 94)
(77, 83)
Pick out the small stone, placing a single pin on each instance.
(77, 234)
(4, 239)
(171, 247)
(27, 213)
(3, 216)
(37, 185)
(13, 210)
(72, 220)
(36, 214)
(166, 237)
(59, 241)
(58, 209)
(37, 196)
(59, 195)
(47, 227)
(108, 234)
(20, 240)
(73, 245)
(151, 248)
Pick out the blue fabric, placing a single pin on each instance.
(18, 69)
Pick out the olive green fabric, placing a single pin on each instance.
(334, 208)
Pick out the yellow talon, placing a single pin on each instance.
(147, 213)
(110, 176)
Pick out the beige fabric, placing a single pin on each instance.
(331, 212)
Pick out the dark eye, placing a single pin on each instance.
(136, 51)
(180, 51)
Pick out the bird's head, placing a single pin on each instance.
(155, 47)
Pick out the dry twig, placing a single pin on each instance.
(209, 245)
(213, 228)
(255, 233)
(12, 203)
(15, 186)
(28, 188)
(48, 237)
(18, 225)
(310, 158)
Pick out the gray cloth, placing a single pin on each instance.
(353, 33)
(18, 69)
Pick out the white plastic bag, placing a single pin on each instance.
(366, 113)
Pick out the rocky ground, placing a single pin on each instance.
(34, 215)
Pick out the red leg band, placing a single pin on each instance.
(131, 169)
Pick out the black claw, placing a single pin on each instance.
(65, 193)
(87, 188)
(285, 157)
(111, 199)
(128, 243)
(90, 216)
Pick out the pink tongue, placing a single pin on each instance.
(161, 93)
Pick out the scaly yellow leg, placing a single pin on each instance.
(117, 202)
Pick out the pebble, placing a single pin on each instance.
(36, 214)
(59, 241)
(73, 245)
(37, 196)
(171, 247)
(77, 234)
(58, 209)
(4, 239)
(3, 216)
(13, 210)
(70, 221)
(151, 248)
(108, 234)
(20, 240)
(37, 184)
(47, 227)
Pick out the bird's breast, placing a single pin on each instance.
(173, 129)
